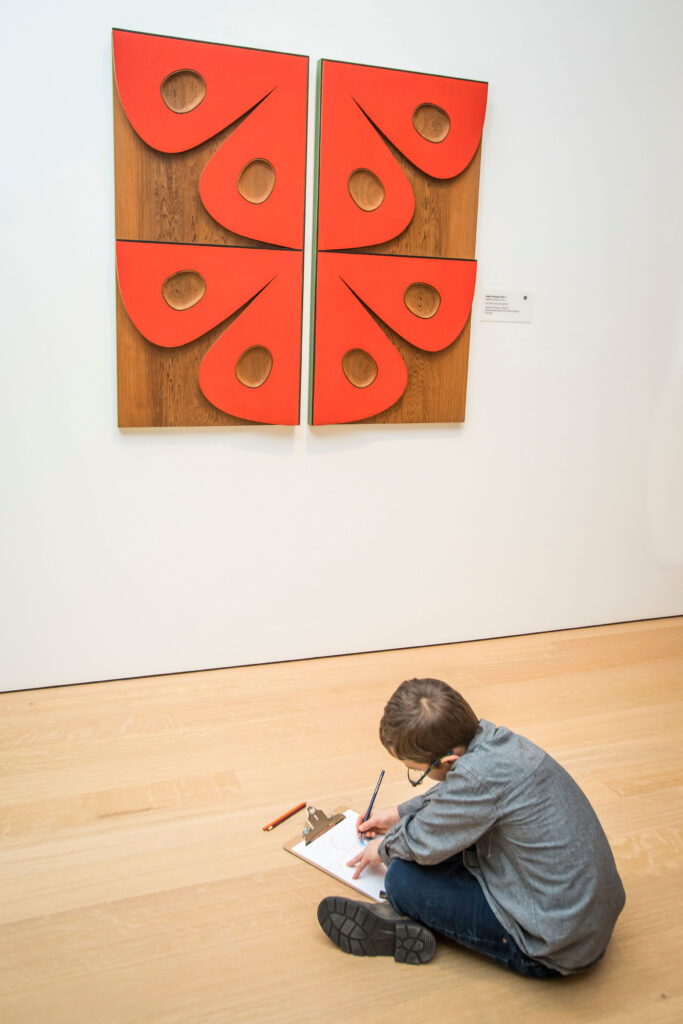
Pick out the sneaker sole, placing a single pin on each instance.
(357, 930)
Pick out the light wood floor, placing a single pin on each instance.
(137, 885)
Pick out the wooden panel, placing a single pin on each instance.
(365, 112)
(444, 209)
(195, 125)
(422, 305)
(190, 372)
(265, 91)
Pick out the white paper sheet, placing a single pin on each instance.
(334, 848)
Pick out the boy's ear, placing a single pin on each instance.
(450, 758)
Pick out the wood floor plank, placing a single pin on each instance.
(137, 885)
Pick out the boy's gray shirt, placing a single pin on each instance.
(531, 839)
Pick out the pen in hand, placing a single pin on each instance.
(373, 798)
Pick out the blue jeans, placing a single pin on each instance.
(449, 900)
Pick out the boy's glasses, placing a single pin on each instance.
(415, 777)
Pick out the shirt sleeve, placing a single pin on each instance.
(452, 816)
(414, 805)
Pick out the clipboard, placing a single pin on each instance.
(331, 843)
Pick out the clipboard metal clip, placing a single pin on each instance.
(317, 823)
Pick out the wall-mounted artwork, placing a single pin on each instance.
(397, 189)
(210, 149)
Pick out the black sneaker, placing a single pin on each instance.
(375, 929)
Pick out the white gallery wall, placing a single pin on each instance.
(558, 503)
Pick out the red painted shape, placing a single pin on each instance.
(348, 142)
(236, 79)
(381, 283)
(390, 98)
(272, 320)
(276, 132)
(232, 277)
(343, 324)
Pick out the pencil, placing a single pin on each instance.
(299, 807)
(379, 783)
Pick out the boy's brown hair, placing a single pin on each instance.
(424, 719)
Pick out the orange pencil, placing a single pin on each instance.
(299, 807)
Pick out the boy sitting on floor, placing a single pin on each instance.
(505, 856)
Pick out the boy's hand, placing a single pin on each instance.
(378, 823)
(368, 855)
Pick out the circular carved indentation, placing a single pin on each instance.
(254, 366)
(256, 181)
(183, 91)
(431, 122)
(360, 369)
(422, 299)
(184, 289)
(366, 190)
